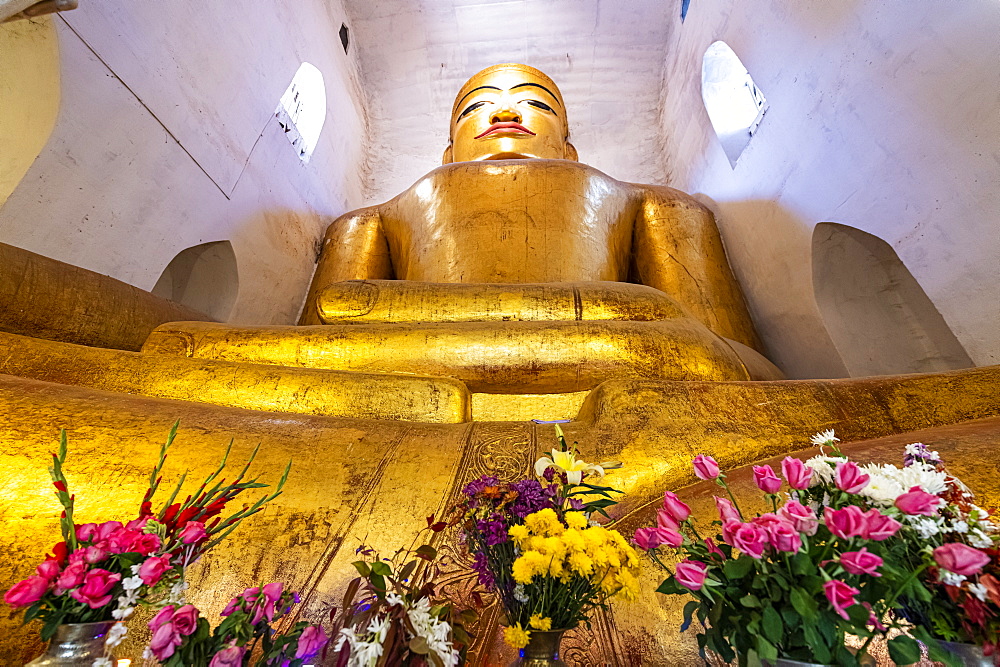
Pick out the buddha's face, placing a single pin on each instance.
(509, 113)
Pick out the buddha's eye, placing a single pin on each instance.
(540, 105)
(469, 109)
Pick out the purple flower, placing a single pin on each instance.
(531, 497)
(482, 568)
(478, 485)
(493, 529)
(919, 453)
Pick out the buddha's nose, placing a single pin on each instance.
(506, 115)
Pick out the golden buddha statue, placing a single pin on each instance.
(514, 269)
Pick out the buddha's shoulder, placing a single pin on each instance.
(513, 170)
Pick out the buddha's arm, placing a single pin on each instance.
(678, 250)
(355, 248)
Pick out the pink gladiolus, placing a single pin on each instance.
(27, 592)
(960, 559)
(311, 642)
(96, 589)
(691, 574)
(164, 642)
(48, 569)
(797, 474)
(766, 479)
(861, 562)
(841, 596)
(845, 523)
(784, 537)
(147, 544)
(878, 526)
(849, 477)
(162, 618)
(917, 501)
(802, 518)
(185, 620)
(228, 657)
(750, 539)
(675, 507)
(727, 510)
(705, 467)
(153, 569)
(666, 521)
(193, 532)
(71, 577)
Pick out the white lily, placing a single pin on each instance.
(567, 462)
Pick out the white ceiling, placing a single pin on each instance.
(606, 56)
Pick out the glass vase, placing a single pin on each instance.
(542, 650)
(75, 645)
(970, 654)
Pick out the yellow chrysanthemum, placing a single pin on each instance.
(582, 564)
(529, 565)
(519, 533)
(574, 540)
(576, 520)
(516, 636)
(538, 622)
(544, 522)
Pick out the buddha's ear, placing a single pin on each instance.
(570, 153)
(447, 157)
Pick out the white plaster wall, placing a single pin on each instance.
(605, 55)
(166, 139)
(884, 117)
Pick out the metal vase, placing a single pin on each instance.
(75, 645)
(542, 650)
(970, 654)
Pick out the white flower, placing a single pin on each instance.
(979, 591)
(177, 592)
(520, 595)
(131, 583)
(883, 486)
(824, 438)
(926, 477)
(364, 653)
(824, 468)
(116, 634)
(960, 527)
(147, 654)
(951, 579)
(925, 526)
(979, 539)
(434, 631)
(394, 600)
(103, 662)
(575, 469)
(123, 611)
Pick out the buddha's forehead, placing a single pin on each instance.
(505, 77)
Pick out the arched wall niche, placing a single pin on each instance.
(878, 316)
(204, 277)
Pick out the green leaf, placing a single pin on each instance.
(671, 587)
(362, 568)
(738, 568)
(750, 600)
(816, 643)
(381, 569)
(419, 646)
(765, 649)
(904, 650)
(804, 604)
(427, 551)
(772, 625)
(689, 610)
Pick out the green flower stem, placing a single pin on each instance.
(721, 479)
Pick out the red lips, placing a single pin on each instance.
(506, 127)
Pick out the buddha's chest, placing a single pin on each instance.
(522, 221)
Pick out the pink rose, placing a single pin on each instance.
(123, 541)
(92, 532)
(797, 473)
(802, 518)
(185, 620)
(137, 524)
(861, 562)
(765, 521)
(92, 555)
(49, 569)
(691, 574)
(784, 537)
(27, 592)
(147, 543)
(917, 501)
(729, 529)
(705, 467)
(644, 538)
(766, 479)
(878, 526)
(164, 642)
(96, 589)
(311, 642)
(71, 577)
(845, 523)
(750, 539)
(273, 591)
(841, 596)
(162, 618)
(713, 548)
(960, 558)
(675, 507)
(727, 510)
(230, 657)
(849, 477)
(153, 568)
(249, 596)
(666, 521)
(194, 531)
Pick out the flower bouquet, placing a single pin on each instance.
(182, 637)
(791, 583)
(535, 546)
(100, 572)
(392, 616)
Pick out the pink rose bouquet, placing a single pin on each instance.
(101, 571)
(181, 636)
(829, 559)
